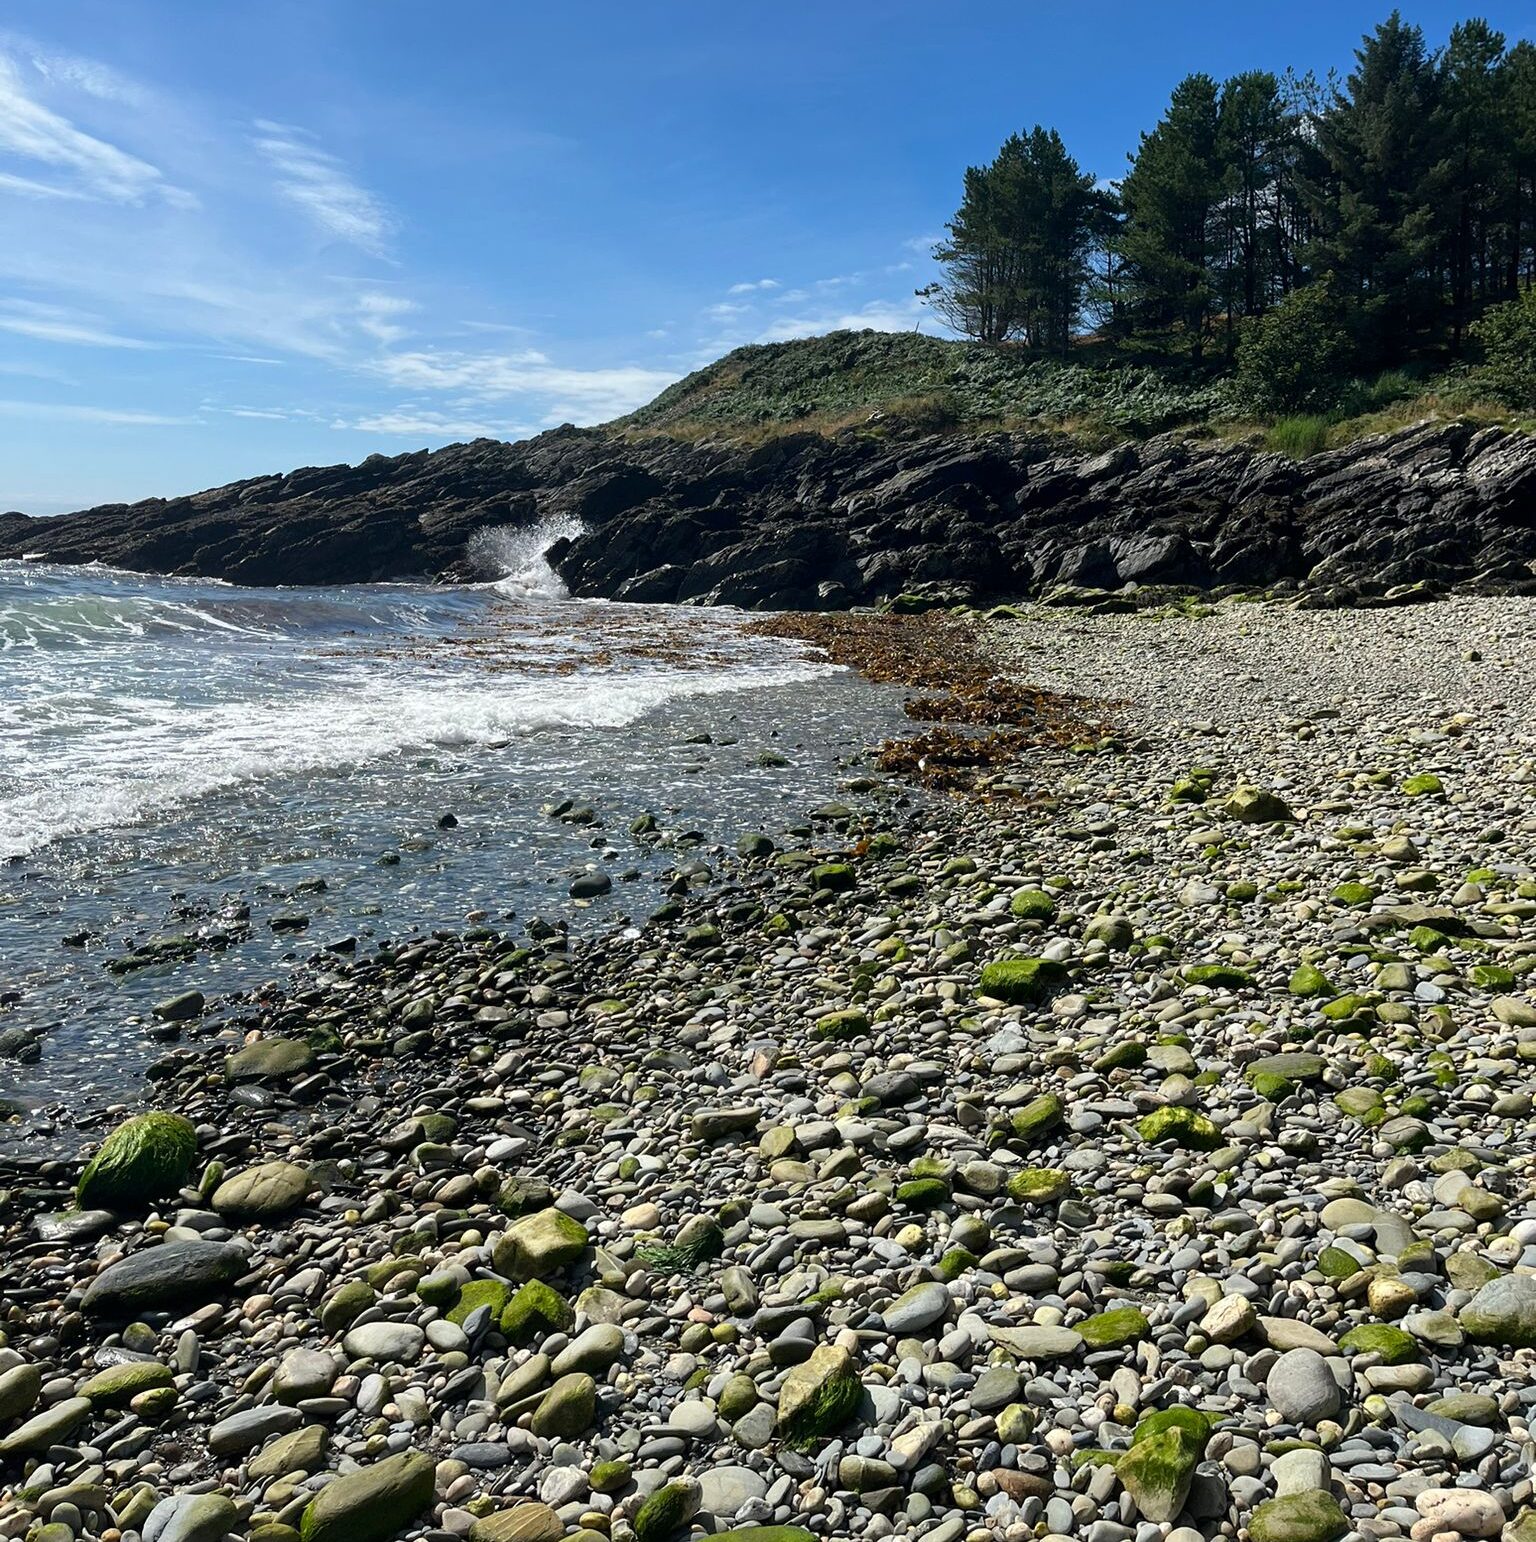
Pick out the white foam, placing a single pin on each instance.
(514, 558)
(149, 755)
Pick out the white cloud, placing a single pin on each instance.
(53, 324)
(878, 316)
(68, 412)
(576, 395)
(724, 312)
(374, 311)
(750, 285)
(923, 245)
(407, 421)
(90, 76)
(319, 184)
(90, 167)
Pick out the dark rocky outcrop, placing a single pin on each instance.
(810, 521)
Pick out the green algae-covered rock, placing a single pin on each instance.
(1308, 981)
(1160, 1466)
(1186, 1127)
(1423, 784)
(1021, 980)
(1257, 806)
(1503, 1313)
(346, 1304)
(145, 1158)
(374, 1503)
(667, 1511)
(1354, 894)
(1225, 976)
(1032, 905)
(1336, 1264)
(1039, 1185)
(269, 1059)
(819, 1396)
(769, 1534)
(922, 1193)
(535, 1310)
(1114, 1329)
(568, 1409)
(115, 1386)
(539, 1245)
(1037, 1118)
(1292, 1066)
(849, 1023)
(833, 877)
(1392, 1345)
(1314, 1516)
(478, 1293)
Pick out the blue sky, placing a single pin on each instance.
(237, 238)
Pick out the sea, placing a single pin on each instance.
(232, 782)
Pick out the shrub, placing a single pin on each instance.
(1507, 336)
(1299, 436)
(1291, 359)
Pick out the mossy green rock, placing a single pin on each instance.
(346, 1304)
(113, 1387)
(1039, 1185)
(478, 1293)
(1355, 895)
(1021, 980)
(535, 1310)
(1292, 1066)
(1038, 1118)
(1314, 1516)
(1256, 806)
(1222, 976)
(923, 1193)
(738, 1396)
(1424, 784)
(1503, 1313)
(666, 1512)
(539, 1245)
(269, 1059)
(764, 1534)
(1308, 981)
(1157, 1473)
(145, 1158)
(568, 1409)
(372, 1504)
(819, 1396)
(833, 877)
(1186, 1127)
(848, 1023)
(1032, 905)
(1336, 1264)
(1391, 1345)
(1114, 1329)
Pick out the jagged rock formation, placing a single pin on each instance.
(809, 521)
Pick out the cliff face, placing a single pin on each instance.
(807, 521)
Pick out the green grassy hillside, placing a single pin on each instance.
(873, 379)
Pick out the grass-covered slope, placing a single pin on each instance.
(853, 379)
(843, 378)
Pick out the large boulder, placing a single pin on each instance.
(169, 1274)
(374, 1503)
(145, 1158)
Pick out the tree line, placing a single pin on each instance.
(1383, 214)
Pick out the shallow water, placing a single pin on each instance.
(181, 758)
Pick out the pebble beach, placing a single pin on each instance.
(1134, 1149)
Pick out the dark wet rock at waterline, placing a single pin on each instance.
(815, 522)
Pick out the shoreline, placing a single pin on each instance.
(785, 1204)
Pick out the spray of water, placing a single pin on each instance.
(515, 557)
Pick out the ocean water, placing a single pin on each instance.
(187, 760)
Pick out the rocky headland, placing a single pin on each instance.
(812, 521)
(1134, 1151)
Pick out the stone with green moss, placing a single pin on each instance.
(1392, 1346)
(1160, 1466)
(478, 1293)
(1114, 1329)
(1337, 1264)
(1308, 981)
(1354, 894)
(539, 1245)
(847, 1023)
(667, 1511)
(537, 1309)
(145, 1158)
(955, 1262)
(764, 1534)
(1032, 905)
(1039, 1185)
(372, 1503)
(819, 1396)
(1188, 1128)
(922, 1193)
(1342, 1008)
(1257, 806)
(1126, 1055)
(1312, 1516)
(117, 1384)
(1022, 981)
(1423, 784)
(833, 877)
(1037, 1118)
(1218, 976)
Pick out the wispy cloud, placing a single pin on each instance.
(70, 412)
(576, 395)
(374, 311)
(878, 316)
(54, 324)
(408, 421)
(88, 166)
(751, 284)
(319, 184)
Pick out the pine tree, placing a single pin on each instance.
(1170, 195)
